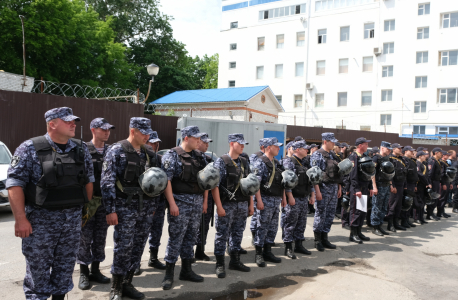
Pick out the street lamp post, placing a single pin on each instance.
(153, 70)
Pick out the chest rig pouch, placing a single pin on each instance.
(62, 184)
(186, 183)
(331, 175)
(233, 176)
(97, 162)
(303, 188)
(273, 188)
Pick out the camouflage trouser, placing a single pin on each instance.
(207, 218)
(325, 209)
(380, 205)
(254, 221)
(130, 235)
(294, 220)
(230, 226)
(93, 238)
(267, 225)
(182, 231)
(158, 223)
(50, 251)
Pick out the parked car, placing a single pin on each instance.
(5, 159)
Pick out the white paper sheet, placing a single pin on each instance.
(361, 203)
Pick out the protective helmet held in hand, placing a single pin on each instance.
(250, 185)
(290, 179)
(153, 181)
(451, 173)
(387, 170)
(407, 202)
(345, 167)
(208, 178)
(315, 175)
(346, 202)
(366, 168)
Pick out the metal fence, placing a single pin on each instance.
(15, 82)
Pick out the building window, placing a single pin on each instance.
(450, 20)
(297, 100)
(299, 69)
(300, 39)
(322, 36)
(421, 82)
(385, 120)
(342, 99)
(419, 129)
(423, 9)
(320, 67)
(442, 130)
(388, 48)
(260, 72)
(366, 98)
(447, 95)
(420, 107)
(345, 34)
(343, 65)
(423, 33)
(280, 41)
(261, 42)
(319, 100)
(278, 71)
(422, 57)
(232, 65)
(448, 58)
(365, 128)
(279, 98)
(368, 63)
(390, 25)
(234, 25)
(369, 31)
(231, 83)
(281, 11)
(387, 95)
(387, 71)
(232, 47)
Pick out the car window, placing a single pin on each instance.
(5, 157)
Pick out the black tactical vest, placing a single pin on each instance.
(275, 188)
(412, 173)
(64, 178)
(97, 162)
(399, 168)
(331, 175)
(436, 176)
(233, 176)
(303, 188)
(380, 159)
(186, 183)
(135, 166)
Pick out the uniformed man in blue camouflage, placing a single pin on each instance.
(94, 232)
(231, 212)
(327, 192)
(268, 199)
(186, 204)
(47, 203)
(294, 214)
(253, 158)
(127, 207)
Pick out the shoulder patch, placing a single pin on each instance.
(429, 167)
(166, 164)
(15, 161)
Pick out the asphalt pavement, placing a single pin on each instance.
(420, 263)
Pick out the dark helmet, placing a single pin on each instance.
(153, 181)
(387, 170)
(250, 185)
(407, 202)
(451, 173)
(290, 179)
(366, 168)
(346, 202)
(431, 196)
(208, 178)
(315, 175)
(345, 167)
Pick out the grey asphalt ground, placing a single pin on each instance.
(421, 263)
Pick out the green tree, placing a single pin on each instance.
(211, 76)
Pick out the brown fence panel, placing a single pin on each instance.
(166, 129)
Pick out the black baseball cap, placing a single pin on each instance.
(420, 153)
(396, 145)
(437, 149)
(407, 148)
(361, 140)
(422, 149)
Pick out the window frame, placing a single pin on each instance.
(257, 72)
(322, 37)
(388, 71)
(261, 46)
(420, 127)
(295, 100)
(447, 56)
(422, 85)
(371, 31)
(348, 65)
(229, 83)
(384, 117)
(388, 94)
(446, 94)
(422, 57)
(372, 65)
(276, 70)
(338, 99)
(424, 12)
(449, 18)
(295, 69)
(230, 65)
(422, 32)
(362, 98)
(389, 48)
(279, 99)
(230, 47)
(316, 100)
(300, 41)
(348, 37)
(236, 23)
(420, 106)
(282, 44)
(390, 28)
(318, 68)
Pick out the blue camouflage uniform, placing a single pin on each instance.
(94, 232)
(233, 223)
(182, 228)
(50, 250)
(253, 158)
(133, 227)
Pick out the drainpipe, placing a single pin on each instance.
(309, 4)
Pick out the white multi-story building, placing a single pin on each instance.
(367, 64)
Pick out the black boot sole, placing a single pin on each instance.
(184, 278)
(302, 252)
(105, 280)
(156, 266)
(236, 268)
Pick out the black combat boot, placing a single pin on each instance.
(318, 244)
(116, 287)
(268, 255)
(410, 224)
(243, 251)
(436, 218)
(253, 235)
(259, 258)
(380, 228)
(96, 275)
(167, 282)
(397, 226)
(200, 254)
(298, 248)
(138, 271)
(154, 261)
(404, 223)
(220, 269)
(289, 250)
(361, 235)
(376, 230)
(187, 273)
(390, 226)
(58, 297)
(446, 215)
(236, 264)
(354, 235)
(84, 278)
(455, 208)
(128, 288)
(325, 242)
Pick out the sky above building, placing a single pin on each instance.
(196, 24)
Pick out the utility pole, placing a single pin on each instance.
(23, 51)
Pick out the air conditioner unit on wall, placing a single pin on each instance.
(309, 86)
(377, 51)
